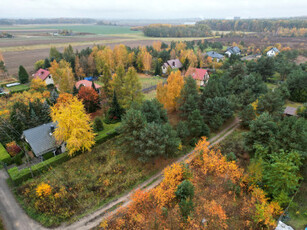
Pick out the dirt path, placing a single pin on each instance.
(15, 218)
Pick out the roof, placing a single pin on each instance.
(214, 54)
(233, 50)
(197, 74)
(173, 63)
(40, 140)
(274, 49)
(290, 111)
(42, 74)
(86, 83)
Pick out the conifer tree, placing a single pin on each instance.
(23, 75)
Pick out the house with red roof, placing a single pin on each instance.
(45, 76)
(86, 83)
(201, 76)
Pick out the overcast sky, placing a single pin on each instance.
(152, 9)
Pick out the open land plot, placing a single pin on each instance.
(86, 28)
(149, 80)
(85, 183)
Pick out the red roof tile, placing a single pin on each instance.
(42, 74)
(86, 83)
(197, 74)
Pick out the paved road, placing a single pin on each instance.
(15, 218)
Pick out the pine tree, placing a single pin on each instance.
(189, 97)
(23, 75)
(247, 115)
(197, 127)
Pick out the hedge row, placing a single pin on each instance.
(107, 137)
(18, 176)
(4, 156)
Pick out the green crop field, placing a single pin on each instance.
(95, 29)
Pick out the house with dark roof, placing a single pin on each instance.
(215, 55)
(44, 75)
(201, 76)
(234, 50)
(41, 140)
(272, 52)
(290, 111)
(173, 64)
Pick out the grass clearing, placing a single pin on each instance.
(18, 88)
(293, 104)
(149, 80)
(85, 183)
(151, 95)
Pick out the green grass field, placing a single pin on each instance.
(95, 29)
(18, 88)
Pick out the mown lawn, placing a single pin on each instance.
(85, 183)
(17, 88)
(149, 80)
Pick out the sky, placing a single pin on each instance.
(152, 9)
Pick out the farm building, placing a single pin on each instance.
(45, 76)
(201, 76)
(174, 64)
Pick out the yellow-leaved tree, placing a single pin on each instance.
(73, 126)
(169, 93)
(62, 75)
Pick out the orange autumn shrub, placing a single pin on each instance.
(43, 190)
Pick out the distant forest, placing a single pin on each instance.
(167, 30)
(47, 21)
(254, 25)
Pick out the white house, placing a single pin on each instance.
(174, 64)
(233, 50)
(272, 52)
(45, 76)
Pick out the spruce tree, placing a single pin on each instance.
(23, 75)
(115, 112)
(46, 63)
